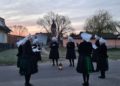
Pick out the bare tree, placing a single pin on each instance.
(19, 30)
(101, 22)
(63, 23)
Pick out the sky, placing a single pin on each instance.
(27, 12)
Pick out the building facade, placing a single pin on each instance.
(4, 30)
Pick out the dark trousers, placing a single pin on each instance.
(102, 74)
(54, 62)
(71, 62)
(27, 79)
(86, 78)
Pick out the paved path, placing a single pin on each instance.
(51, 76)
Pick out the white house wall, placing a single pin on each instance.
(42, 39)
(3, 37)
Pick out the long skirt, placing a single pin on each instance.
(28, 66)
(84, 64)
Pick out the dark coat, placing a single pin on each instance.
(37, 55)
(102, 58)
(19, 55)
(84, 64)
(28, 64)
(70, 51)
(95, 52)
(54, 54)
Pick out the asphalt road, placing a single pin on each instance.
(51, 76)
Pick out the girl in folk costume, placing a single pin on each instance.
(27, 63)
(54, 54)
(71, 51)
(103, 58)
(95, 52)
(84, 64)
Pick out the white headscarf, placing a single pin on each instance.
(70, 39)
(35, 41)
(102, 40)
(86, 37)
(54, 39)
(97, 37)
(23, 41)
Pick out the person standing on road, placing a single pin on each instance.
(27, 64)
(70, 55)
(54, 53)
(103, 58)
(95, 52)
(84, 64)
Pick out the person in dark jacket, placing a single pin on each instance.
(95, 52)
(103, 58)
(71, 51)
(19, 55)
(84, 64)
(37, 52)
(37, 49)
(27, 62)
(54, 53)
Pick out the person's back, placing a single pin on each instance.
(27, 49)
(84, 64)
(85, 48)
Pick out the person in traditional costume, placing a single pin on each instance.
(37, 49)
(84, 64)
(27, 63)
(70, 55)
(103, 58)
(95, 52)
(54, 53)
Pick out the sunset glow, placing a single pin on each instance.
(27, 12)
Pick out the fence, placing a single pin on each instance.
(111, 43)
(4, 46)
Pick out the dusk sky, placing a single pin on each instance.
(27, 12)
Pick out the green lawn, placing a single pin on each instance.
(9, 57)
(114, 53)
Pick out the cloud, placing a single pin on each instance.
(26, 12)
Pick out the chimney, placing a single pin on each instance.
(2, 21)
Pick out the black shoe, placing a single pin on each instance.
(73, 65)
(85, 84)
(70, 65)
(28, 84)
(101, 77)
(97, 70)
(53, 64)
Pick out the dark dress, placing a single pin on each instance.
(70, 51)
(103, 58)
(28, 64)
(54, 54)
(84, 64)
(37, 54)
(95, 52)
(19, 55)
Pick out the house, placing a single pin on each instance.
(42, 38)
(12, 39)
(4, 30)
(113, 41)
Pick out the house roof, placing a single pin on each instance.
(104, 35)
(5, 28)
